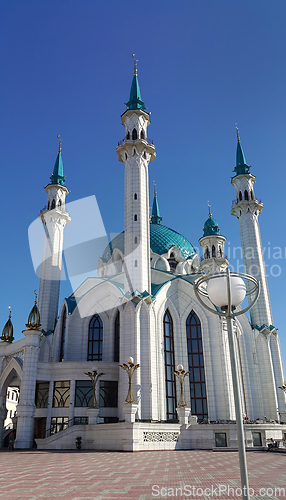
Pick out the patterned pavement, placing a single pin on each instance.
(86, 475)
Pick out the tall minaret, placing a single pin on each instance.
(135, 151)
(54, 219)
(247, 209)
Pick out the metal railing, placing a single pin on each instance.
(222, 256)
(56, 428)
(234, 202)
(149, 141)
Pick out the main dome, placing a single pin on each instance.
(162, 238)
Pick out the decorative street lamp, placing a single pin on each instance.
(130, 371)
(181, 374)
(94, 376)
(227, 291)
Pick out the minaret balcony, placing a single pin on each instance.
(126, 147)
(256, 200)
(130, 141)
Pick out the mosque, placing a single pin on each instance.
(142, 305)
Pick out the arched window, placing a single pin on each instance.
(213, 251)
(171, 402)
(135, 196)
(116, 337)
(95, 336)
(240, 195)
(134, 134)
(196, 367)
(53, 205)
(128, 136)
(63, 335)
(252, 194)
(135, 240)
(246, 195)
(142, 135)
(48, 207)
(172, 262)
(207, 253)
(135, 217)
(60, 203)
(220, 252)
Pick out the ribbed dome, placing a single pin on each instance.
(211, 228)
(162, 239)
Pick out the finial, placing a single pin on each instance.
(10, 311)
(237, 133)
(36, 297)
(135, 64)
(60, 144)
(155, 191)
(210, 215)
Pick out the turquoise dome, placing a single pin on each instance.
(162, 239)
(211, 228)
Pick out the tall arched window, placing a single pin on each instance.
(142, 135)
(134, 134)
(246, 195)
(116, 337)
(213, 251)
(63, 335)
(196, 367)
(128, 136)
(171, 402)
(240, 195)
(95, 339)
(53, 205)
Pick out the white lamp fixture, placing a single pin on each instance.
(218, 291)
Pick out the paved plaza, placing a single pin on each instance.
(86, 475)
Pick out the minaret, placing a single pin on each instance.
(212, 243)
(135, 151)
(247, 209)
(54, 218)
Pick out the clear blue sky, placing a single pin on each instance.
(66, 68)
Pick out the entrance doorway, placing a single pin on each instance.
(40, 428)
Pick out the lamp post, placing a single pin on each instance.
(130, 371)
(94, 376)
(181, 374)
(227, 291)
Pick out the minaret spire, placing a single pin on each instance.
(135, 101)
(241, 166)
(155, 218)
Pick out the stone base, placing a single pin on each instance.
(129, 411)
(183, 414)
(92, 414)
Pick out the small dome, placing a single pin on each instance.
(7, 333)
(211, 228)
(34, 318)
(162, 239)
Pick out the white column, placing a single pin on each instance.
(26, 407)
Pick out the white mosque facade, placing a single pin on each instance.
(143, 304)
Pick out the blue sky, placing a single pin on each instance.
(203, 66)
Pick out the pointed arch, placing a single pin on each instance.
(116, 337)
(128, 136)
(13, 365)
(246, 197)
(142, 134)
(95, 339)
(240, 196)
(134, 134)
(196, 366)
(171, 400)
(53, 205)
(213, 251)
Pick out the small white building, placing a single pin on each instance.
(142, 304)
